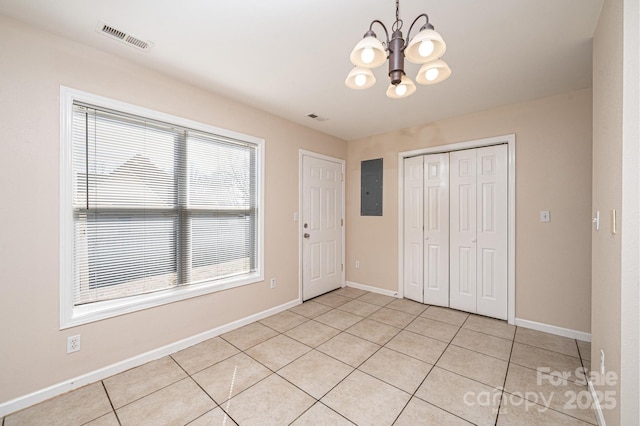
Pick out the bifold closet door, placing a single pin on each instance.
(436, 229)
(413, 228)
(426, 229)
(463, 235)
(478, 231)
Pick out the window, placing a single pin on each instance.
(154, 208)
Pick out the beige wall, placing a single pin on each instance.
(33, 351)
(615, 186)
(553, 162)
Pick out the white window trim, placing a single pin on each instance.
(71, 316)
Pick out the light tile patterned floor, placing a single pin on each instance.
(347, 357)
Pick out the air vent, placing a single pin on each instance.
(123, 36)
(316, 117)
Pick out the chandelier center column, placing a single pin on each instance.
(396, 57)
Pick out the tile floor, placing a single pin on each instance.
(347, 357)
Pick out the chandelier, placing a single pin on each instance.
(426, 48)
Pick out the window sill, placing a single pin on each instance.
(108, 309)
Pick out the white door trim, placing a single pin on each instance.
(298, 214)
(510, 140)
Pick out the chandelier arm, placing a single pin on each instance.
(383, 27)
(426, 25)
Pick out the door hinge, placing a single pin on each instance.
(342, 266)
(341, 222)
(341, 177)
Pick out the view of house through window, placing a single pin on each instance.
(158, 206)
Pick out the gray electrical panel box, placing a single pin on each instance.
(371, 188)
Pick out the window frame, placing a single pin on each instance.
(70, 315)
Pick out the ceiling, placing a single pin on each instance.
(290, 57)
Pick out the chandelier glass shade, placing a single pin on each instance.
(433, 72)
(426, 48)
(369, 53)
(401, 90)
(360, 78)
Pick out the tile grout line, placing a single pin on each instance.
(488, 334)
(313, 405)
(546, 349)
(549, 350)
(110, 403)
(506, 374)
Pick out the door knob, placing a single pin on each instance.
(306, 235)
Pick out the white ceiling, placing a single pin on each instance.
(290, 57)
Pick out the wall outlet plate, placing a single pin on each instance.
(273, 283)
(73, 343)
(545, 216)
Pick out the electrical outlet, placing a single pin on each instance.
(73, 343)
(357, 264)
(545, 216)
(273, 283)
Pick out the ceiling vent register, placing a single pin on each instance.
(123, 36)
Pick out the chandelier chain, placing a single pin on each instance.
(397, 25)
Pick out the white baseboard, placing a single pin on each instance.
(25, 401)
(372, 289)
(596, 405)
(560, 331)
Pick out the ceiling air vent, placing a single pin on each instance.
(123, 36)
(316, 117)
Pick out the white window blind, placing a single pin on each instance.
(158, 206)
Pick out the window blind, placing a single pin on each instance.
(157, 206)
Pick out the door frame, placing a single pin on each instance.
(297, 216)
(510, 141)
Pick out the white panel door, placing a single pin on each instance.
(322, 226)
(413, 228)
(463, 235)
(436, 229)
(492, 231)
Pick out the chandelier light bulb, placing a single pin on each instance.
(360, 80)
(401, 90)
(426, 48)
(367, 55)
(432, 74)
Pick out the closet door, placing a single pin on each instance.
(463, 233)
(413, 229)
(436, 229)
(492, 231)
